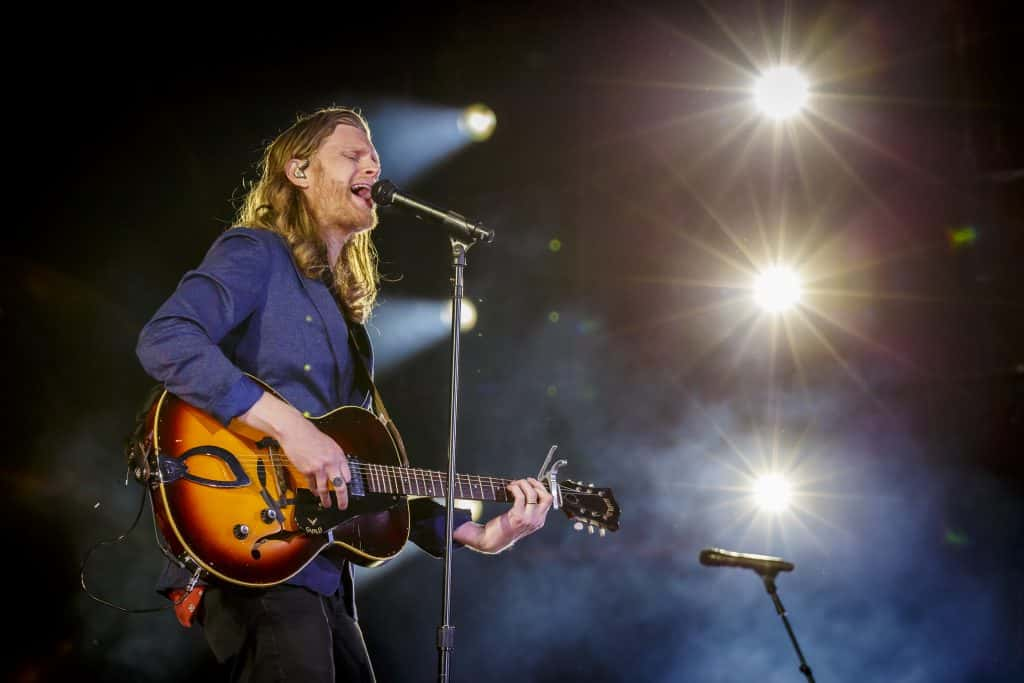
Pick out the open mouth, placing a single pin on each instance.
(363, 191)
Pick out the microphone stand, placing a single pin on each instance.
(446, 632)
(769, 585)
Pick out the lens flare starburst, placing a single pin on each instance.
(773, 493)
(777, 289)
(781, 92)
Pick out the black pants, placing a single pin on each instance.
(285, 633)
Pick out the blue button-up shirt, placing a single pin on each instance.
(248, 308)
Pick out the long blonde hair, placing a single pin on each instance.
(274, 203)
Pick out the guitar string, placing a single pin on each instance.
(391, 471)
(417, 476)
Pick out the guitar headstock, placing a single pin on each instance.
(589, 506)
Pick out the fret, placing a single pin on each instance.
(373, 478)
(393, 480)
(393, 484)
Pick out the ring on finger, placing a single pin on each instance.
(338, 482)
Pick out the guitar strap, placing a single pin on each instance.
(378, 402)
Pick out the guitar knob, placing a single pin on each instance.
(269, 516)
(590, 529)
(578, 526)
(602, 532)
(241, 531)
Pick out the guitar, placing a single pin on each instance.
(228, 502)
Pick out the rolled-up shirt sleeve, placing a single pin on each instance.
(180, 348)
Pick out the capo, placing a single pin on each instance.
(552, 476)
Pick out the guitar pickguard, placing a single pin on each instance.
(173, 469)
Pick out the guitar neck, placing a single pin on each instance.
(411, 481)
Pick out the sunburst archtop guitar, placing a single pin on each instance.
(228, 502)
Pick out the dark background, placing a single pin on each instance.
(894, 398)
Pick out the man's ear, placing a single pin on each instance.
(296, 172)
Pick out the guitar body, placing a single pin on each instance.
(229, 501)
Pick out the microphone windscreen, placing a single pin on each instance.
(383, 192)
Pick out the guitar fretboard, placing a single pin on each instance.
(409, 481)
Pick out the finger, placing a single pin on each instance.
(341, 493)
(528, 490)
(535, 514)
(544, 498)
(541, 490)
(519, 495)
(340, 490)
(346, 472)
(320, 480)
(530, 511)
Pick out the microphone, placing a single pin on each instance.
(762, 564)
(385, 193)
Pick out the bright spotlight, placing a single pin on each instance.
(777, 289)
(781, 92)
(478, 121)
(467, 318)
(772, 493)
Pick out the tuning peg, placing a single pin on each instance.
(578, 526)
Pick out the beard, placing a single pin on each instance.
(342, 209)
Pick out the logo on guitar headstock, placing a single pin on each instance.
(590, 506)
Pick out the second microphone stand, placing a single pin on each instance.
(769, 585)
